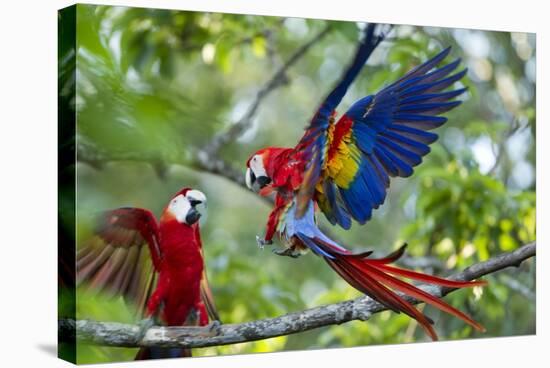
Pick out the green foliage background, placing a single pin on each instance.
(161, 83)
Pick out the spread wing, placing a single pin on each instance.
(314, 143)
(122, 256)
(206, 293)
(380, 136)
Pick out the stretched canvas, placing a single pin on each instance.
(234, 183)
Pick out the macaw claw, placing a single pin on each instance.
(215, 327)
(288, 252)
(144, 325)
(262, 242)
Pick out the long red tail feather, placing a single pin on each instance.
(429, 278)
(421, 295)
(369, 286)
(377, 279)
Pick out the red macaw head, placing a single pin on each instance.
(186, 205)
(261, 168)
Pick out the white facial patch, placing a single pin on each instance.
(247, 178)
(257, 166)
(195, 195)
(179, 207)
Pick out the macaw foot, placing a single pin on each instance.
(288, 252)
(215, 327)
(262, 242)
(144, 325)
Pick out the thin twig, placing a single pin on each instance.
(97, 158)
(518, 286)
(500, 149)
(278, 79)
(207, 158)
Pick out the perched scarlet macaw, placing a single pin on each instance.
(160, 267)
(343, 168)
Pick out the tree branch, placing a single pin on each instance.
(95, 157)
(124, 335)
(207, 158)
(278, 79)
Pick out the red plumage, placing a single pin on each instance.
(179, 274)
(158, 266)
(374, 277)
(343, 168)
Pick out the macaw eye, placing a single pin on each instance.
(194, 202)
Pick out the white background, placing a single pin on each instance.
(28, 201)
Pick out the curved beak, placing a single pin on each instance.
(197, 201)
(255, 183)
(193, 215)
(263, 181)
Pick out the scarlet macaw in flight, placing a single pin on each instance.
(158, 266)
(343, 168)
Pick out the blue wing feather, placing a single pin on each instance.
(410, 158)
(337, 213)
(365, 137)
(355, 202)
(379, 170)
(391, 128)
(375, 184)
(388, 165)
(314, 140)
(433, 97)
(418, 135)
(412, 145)
(430, 107)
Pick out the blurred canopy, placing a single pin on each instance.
(159, 84)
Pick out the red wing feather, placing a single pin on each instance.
(206, 293)
(125, 227)
(208, 299)
(121, 256)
